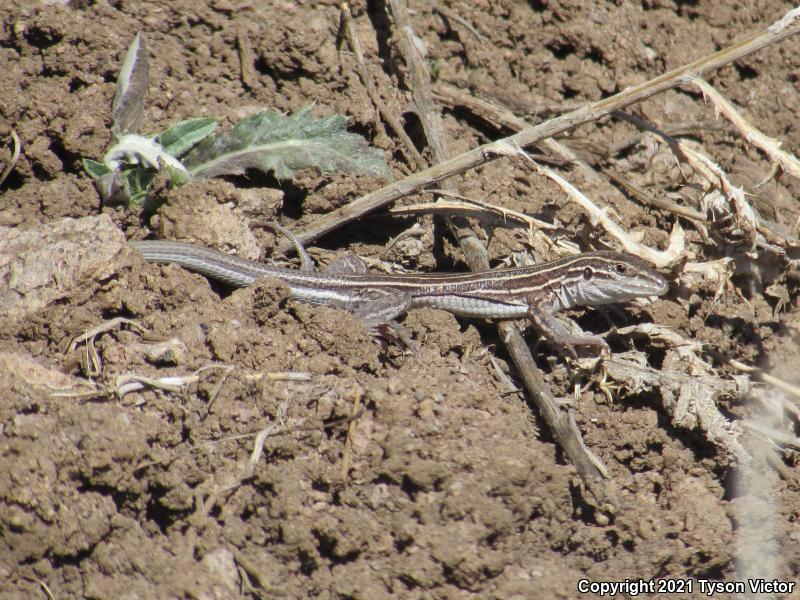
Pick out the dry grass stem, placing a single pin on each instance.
(212, 396)
(260, 579)
(668, 258)
(247, 69)
(785, 27)
(348, 441)
(454, 16)
(500, 117)
(261, 436)
(43, 585)
(94, 364)
(382, 107)
(103, 328)
(127, 384)
(731, 214)
(14, 156)
(474, 209)
(280, 376)
(771, 147)
(426, 108)
(649, 200)
(766, 377)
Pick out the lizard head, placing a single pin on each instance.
(606, 277)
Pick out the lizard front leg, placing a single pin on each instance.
(556, 334)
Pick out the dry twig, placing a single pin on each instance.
(452, 15)
(246, 60)
(668, 258)
(261, 436)
(785, 27)
(94, 364)
(767, 378)
(660, 203)
(561, 422)
(14, 157)
(348, 441)
(771, 147)
(391, 119)
(729, 207)
(502, 118)
(475, 209)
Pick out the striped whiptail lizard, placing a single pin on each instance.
(535, 292)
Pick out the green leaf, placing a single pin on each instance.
(270, 141)
(127, 110)
(139, 181)
(95, 169)
(176, 176)
(182, 137)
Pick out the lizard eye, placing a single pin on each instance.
(588, 273)
(621, 269)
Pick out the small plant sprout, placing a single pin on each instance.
(190, 149)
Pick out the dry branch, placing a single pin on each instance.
(560, 421)
(475, 209)
(785, 27)
(660, 203)
(502, 118)
(662, 259)
(771, 147)
(735, 206)
(382, 107)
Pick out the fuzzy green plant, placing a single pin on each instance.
(196, 149)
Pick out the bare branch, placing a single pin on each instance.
(771, 147)
(785, 27)
(560, 422)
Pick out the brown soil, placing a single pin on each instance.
(449, 486)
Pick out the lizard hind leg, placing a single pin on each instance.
(381, 310)
(379, 315)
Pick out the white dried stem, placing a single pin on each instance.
(770, 146)
(126, 384)
(668, 258)
(14, 156)
(728, 204)
(476, 209)
(741, 220)
(261, 436)
(771, 379)
(103, 328)
(688, 397)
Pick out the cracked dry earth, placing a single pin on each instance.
(385, 475)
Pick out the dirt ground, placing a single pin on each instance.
(446, 484)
